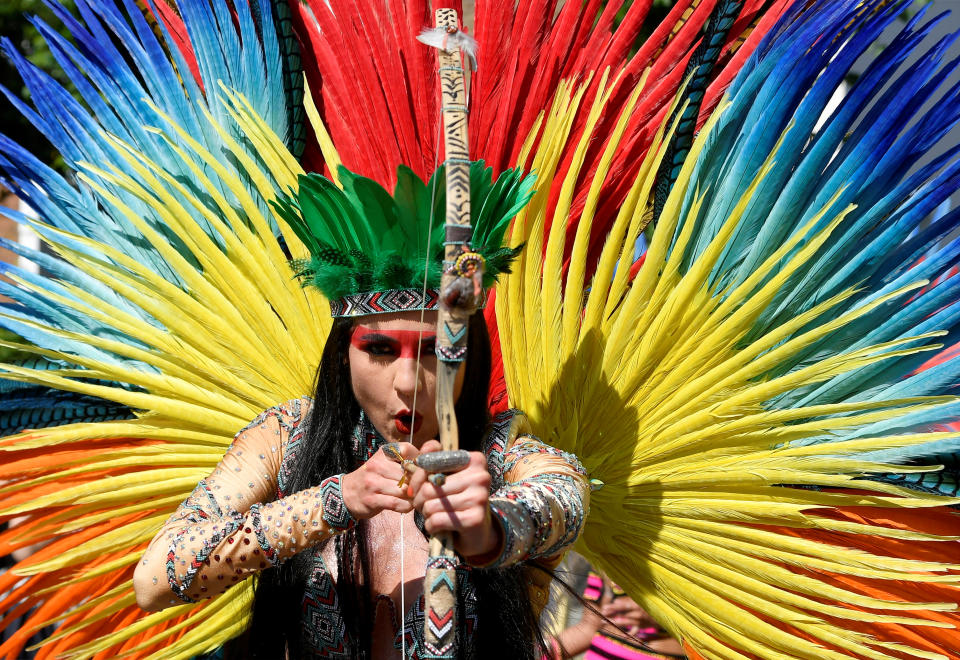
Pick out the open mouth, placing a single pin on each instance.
(408, 421)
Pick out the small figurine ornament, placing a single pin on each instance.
(464, 293)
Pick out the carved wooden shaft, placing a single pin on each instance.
(440, 582)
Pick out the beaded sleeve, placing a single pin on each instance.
(541, 500)
(233, 524)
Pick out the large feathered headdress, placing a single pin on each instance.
(373, 252)
(754, 400)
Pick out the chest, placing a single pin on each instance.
(397, 553)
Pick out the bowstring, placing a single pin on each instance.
(416, 389)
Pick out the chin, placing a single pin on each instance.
(420, 437)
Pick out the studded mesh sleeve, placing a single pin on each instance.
(233, 525)
(542, 503)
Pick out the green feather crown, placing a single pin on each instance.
(362, 239)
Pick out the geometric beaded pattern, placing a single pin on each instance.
(335, 512)
(393, 300)
(524, 509)
(290, 416)
(451, 353)
(524, 512)
(366, 440)
(495, 444)
(256, 525)
(574, 515)
(324, 634)
(180, 584)
(412, 635)
(324, 630)
(384, 302)
(528, 444)
(441, 617)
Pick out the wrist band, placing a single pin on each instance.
(335, 511)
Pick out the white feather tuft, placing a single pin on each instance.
(444, 40)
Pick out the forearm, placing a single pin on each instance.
(542, 507)
(575, 640)
(200, 554)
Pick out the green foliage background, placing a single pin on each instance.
(15, 26)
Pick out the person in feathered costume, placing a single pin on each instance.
(745, 400)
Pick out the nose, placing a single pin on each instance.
(408, 377)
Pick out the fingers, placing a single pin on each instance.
(455, 520)
(373, 487)
(461, 504)
(429, 446)
(475, 474)
(419, 476)
(428, 496)
(406, 450)
(385, 464)
(606, 597)
(392, 503)
(452, 503)
(625, 613)
(424, 491)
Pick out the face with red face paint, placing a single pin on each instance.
(397, 393)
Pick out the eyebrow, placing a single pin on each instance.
(379, 336)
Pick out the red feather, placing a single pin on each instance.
(167, 14)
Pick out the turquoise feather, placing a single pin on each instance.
(887, 120)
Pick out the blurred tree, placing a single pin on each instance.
(9, 354)
(19, 33)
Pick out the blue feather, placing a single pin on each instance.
(868, 152)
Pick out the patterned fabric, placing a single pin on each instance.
(384, 302)
(531, 508)
(366, 440)
(335, 512)
(527, 445)
(411, 637)
(239, 521)
(495, 444)
(234, 525)
(324, 633)
(290, 419)
(257, 524)
(394, 300)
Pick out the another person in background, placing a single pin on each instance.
(614, 628)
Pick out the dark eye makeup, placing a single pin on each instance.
(379, 345)
(378, 348)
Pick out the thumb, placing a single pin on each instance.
(406, 450)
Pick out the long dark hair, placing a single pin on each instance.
(506, 623)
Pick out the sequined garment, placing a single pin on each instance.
(240, 520)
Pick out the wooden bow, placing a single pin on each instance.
(460, 290)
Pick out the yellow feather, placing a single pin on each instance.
(123, 601)
(690, 456)
(112, 541)
(329, 151)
